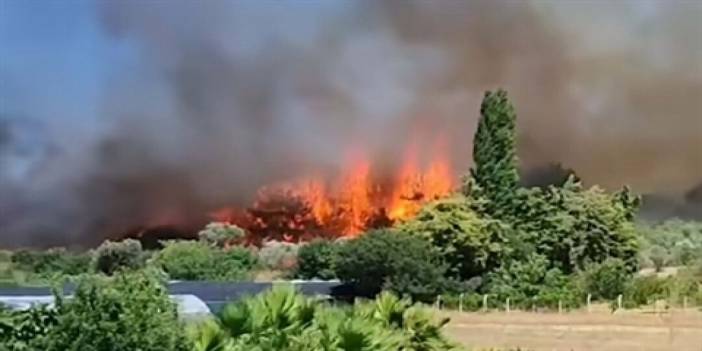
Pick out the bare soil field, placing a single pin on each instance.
(580, 331)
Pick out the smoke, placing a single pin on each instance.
(222, 97)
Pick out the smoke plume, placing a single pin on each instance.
(223, 97)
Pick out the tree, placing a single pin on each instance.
(494, 151)
(390, 260)
(112, 256)
(128, 312)
(470, 243)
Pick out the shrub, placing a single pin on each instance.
(316, 260)
(385, 259)
(531, 282)
(55, 261)
(194, 260)
(128, 312)
(643, 291)
(673, 242)
(20, 329)
(111, 256)
(605, 280)
(220, 233)
(278, 255)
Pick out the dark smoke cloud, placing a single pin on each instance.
(226, 96)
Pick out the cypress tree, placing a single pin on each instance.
(494, 173)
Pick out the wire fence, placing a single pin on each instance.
(472, 302)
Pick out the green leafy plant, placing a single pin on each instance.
(284, 320)
(394, 261)
(316, 260)
(195, 260)
(111, 256)
(127, 312)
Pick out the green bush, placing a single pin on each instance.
(284, 320)
(124, 313)
(194, 260)
(606, 280)
(673, 242)
(128, 312)
(20, 329)
(390, 260)
(315, 260)
(531, 282)
(111, 256)
(645, 290)
(52, 262)
(470, 243)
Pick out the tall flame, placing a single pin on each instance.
(351, 204)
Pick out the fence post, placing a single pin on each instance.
(438, 302)
(589, 298)
(560, 306)
(619, 302)
(507, 305)
(460, 302)
(485, 303)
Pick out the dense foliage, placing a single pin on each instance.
(111, 257)
(316, 260)
(284, 320)
(536, 245)
(494, 152)
(671, 243)
(389, 260)
(531, 282)
(124, 313)
(469, 243)
(196, 260)
(52, 262)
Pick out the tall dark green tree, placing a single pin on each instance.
(494, 174)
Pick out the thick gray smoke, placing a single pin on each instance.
(226, 96)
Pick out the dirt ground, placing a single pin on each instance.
(580, 331)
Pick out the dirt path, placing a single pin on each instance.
(580, 331)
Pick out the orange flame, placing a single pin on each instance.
(351, 204)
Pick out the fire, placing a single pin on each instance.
(347, 205)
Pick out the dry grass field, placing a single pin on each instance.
(580, 331)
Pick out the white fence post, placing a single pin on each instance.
(589, 299)
(619, 302)
(507, 305)
(438, 302)
(485, 303)
(560, 306)
(460, 302)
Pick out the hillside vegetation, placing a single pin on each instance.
(546, 247)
